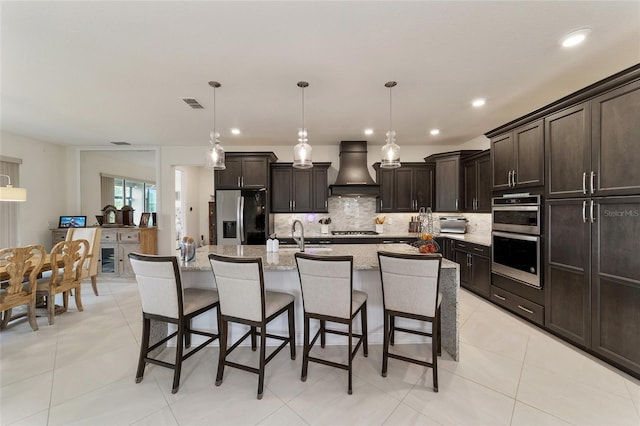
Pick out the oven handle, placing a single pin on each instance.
(516, 236)
(517, 208)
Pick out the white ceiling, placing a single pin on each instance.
(88, 73)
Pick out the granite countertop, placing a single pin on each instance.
(478, 238)
(364, 255)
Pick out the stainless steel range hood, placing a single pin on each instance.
(353, 175)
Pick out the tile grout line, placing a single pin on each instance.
(53, 375)
(524, 359)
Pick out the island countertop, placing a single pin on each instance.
(364, 255)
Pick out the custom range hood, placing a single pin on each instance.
(353, 175)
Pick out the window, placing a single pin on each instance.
(130, 192)
(9, 210)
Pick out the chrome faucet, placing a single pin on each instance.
(299, 242)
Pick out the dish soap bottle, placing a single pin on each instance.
(276, 244)
(270, 244)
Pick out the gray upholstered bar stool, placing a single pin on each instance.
(328, 295)
(164, 299)
(410, 289)
(244, 300)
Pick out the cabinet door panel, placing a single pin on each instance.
(423, 186)
(320, 187)
(616, 153)
(448, 181)
(470, 175)
(281, 189)
(255, 171)
(568, 283)
(484, 186)
(404, 190)
(501, 155)
(568, 151)
(461, 258)
(229, 177)
(385, 178)
(301, 190)
(481, 270)
(125, 263)
(528, 142)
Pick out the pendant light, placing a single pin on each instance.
(215, 156)
(390, 151)
(11, 193)
(302, 151)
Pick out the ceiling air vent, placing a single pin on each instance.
(193, 103)
(121, 143)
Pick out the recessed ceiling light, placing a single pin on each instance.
(368, 132)
(235, 131)
(435, 132)
(575, 37)
(478, 102)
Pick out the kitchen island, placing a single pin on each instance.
(281, 275)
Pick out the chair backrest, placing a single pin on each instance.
(240, 283)
(72, 255)
(410, 282)
(159, 284)
(92, 235)
(326, 283)
(19, 261)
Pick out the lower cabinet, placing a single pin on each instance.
(593, 276)
(521, 306)
(117, 243)
(475, 267)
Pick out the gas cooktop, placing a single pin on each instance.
(354, 232)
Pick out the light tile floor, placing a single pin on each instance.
(81, 371)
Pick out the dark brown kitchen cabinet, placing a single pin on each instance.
(245, 170)
(592, 275)
(299, 190)
(477, 183)
(568, 146)
(567, 274)
(517, 157)
(615, 154)
(475, 267)
(448, 184)
(406, 188)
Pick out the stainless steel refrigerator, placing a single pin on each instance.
(241, 216)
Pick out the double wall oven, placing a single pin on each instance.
(516, 238)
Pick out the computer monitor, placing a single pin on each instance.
(72, 222)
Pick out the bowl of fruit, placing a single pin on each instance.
(426, 244)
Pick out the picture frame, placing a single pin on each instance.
(144, 220)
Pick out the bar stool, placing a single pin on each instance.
(244, 300)
(410, 289)
(164, 299)
(328, 295)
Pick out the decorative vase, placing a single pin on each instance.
(324, 229)
(379, 228)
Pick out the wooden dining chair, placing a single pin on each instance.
(90, 265)
(69, 256)
(22, 265)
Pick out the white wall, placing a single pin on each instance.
(44, 172)
(92, 164)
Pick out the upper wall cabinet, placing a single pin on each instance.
(449, 179)
(477, 183)
(245, 170)
(406, 188)
(593, 146)
(299, 190)
(517, 157)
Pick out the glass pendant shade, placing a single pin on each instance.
(215, 157)
(390, 152)
(302, 150)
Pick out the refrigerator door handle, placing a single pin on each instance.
(241, 214)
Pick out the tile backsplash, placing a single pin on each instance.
(359, 213)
